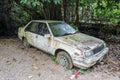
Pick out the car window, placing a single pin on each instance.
(43, 29)
(61, 29)
(32, 27)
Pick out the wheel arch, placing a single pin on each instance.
(58, 50)
(23, 38)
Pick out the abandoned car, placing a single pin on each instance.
(70, 47)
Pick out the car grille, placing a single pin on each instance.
(98, 49)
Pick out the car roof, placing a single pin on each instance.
(46, 21)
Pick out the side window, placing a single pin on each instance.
(43, 29)
(32, 27)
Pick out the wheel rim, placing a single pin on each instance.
(63, 61)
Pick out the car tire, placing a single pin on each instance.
(64, 59)
(25, 43)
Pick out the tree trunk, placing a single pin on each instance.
(65, 9)
(5, 8)
(52, 11)
(62, 10)
(58, 13)
(77, 12)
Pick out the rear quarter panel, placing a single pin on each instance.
(20, 32)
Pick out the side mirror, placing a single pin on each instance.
(47, 35)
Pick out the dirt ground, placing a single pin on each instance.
(17, 63)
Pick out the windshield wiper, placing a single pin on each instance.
(70, 33)
(66, 34)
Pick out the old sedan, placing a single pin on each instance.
(70, 47)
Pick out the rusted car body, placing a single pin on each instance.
(80, 50)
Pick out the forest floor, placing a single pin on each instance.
(17, 63)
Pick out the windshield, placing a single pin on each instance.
(61, 29)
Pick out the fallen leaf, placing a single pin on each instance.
(34, 66)
(8, 62)
(14, 60)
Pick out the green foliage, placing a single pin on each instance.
(101, 10)
(23, 1)
(75, 27)
(83, 72)
(32, 3)
(53, 58)
(56, 1)
(18, 15)
(35, 3)
(107, 11)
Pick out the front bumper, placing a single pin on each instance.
(88, 62)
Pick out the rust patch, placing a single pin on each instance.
(56, 44)
(49, 42)
(90, 42)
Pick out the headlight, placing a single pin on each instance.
(89, 53)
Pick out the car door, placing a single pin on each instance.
(42, 41)
(31, 32)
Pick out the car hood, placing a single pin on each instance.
(81, 40)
